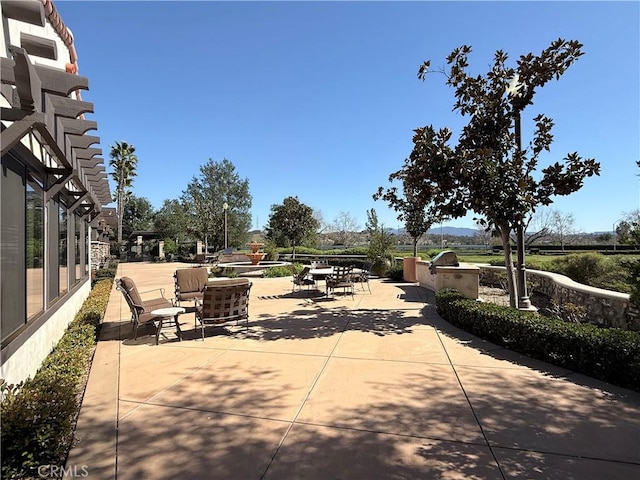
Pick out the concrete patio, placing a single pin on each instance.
(375, 387)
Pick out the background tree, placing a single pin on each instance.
(538, 227)
(138, 215)
(628, 229)
(563, 226)
(412, 207)
(124, 163)
(291, 223)
(380, 244)
(343, 228)
(489, 172)
(171, 221)
(204, 197)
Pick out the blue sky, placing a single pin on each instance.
(319, 99)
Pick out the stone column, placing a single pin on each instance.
(199, 247)
(161, 249)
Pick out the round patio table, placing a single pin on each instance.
(170, 315)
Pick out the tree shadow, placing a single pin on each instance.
(414, 433)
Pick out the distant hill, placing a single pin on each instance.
(457, 231)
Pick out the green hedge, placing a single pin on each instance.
(38, 416)
(608, 354)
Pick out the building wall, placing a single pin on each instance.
(11, 36)
(26, 361)
(45, 281)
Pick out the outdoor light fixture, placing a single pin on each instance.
(514, 91)
(225, 207)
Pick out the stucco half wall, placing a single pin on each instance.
(465, 278)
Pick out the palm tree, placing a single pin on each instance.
(124, 163)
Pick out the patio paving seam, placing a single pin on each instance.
(388, 360)
(396, 434)
(117, 407)
(205, 410)
(566, 455)
(304, 400)
(149, 401)
(473, 412)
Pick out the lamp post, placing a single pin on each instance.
(225, 207)
(523, 298)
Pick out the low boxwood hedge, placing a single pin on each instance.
(38, 416)
(608, 354)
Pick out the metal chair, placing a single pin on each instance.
(141, 309)
(223, 301)
(340, 278)
(189, 283)
(362, 277)
(302, 279)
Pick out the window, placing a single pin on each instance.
(63, 261)
(77, 250)
(13, 246)
(34, 248)
(87, 248)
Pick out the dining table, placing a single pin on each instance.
(320, 274)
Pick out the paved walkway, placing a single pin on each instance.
(378, 387)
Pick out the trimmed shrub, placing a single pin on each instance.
(633, 269)
(274, 272)
(608, 354)
(38, 415)
(590, 268)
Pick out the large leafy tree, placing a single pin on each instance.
(138, 215)
(413, 206)
(124, 162)
(217, 184)
(171, 221)
(488, 171)
(290, 223)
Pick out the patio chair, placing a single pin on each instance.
(340, 278)
(141, 309)
(362, 277)
(223, 301)
(189, 283)
(302, 279)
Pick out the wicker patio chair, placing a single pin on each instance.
(223, 301)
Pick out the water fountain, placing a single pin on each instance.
(255, 256)
(256, 264)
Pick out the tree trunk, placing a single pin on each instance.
(120, 209)
(508, 261)
(415, 247)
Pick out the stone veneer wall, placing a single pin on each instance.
(99, 254)
(604, 307)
